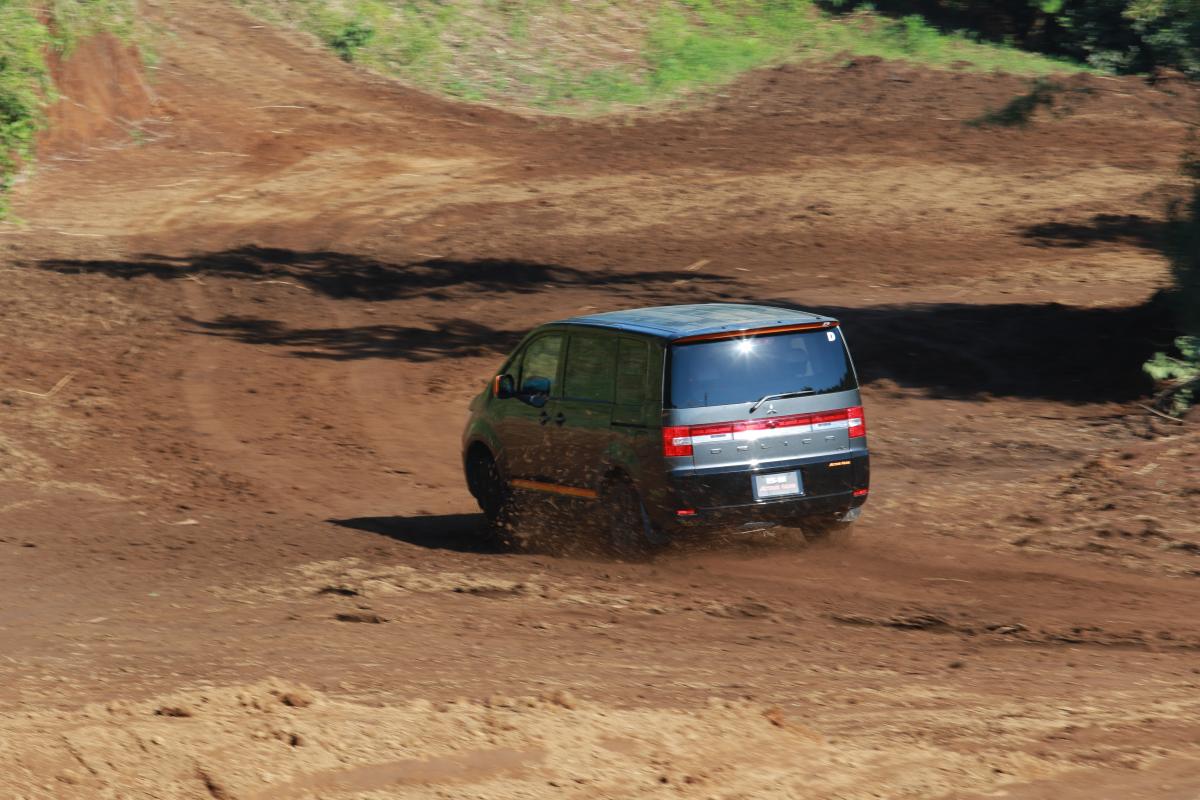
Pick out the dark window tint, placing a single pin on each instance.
(631, 372)
(743, 370)
(591, 367)
(539, 364)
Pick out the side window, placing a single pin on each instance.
(632, 363)
(539, 364)
(591, 368)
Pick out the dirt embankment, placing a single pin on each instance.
(236, 355)
(103, 96)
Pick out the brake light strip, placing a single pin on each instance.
(678, 440)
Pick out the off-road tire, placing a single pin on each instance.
(495, 498)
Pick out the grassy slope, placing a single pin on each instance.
(590, 54)
(24, 78)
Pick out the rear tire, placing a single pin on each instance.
(630, 532)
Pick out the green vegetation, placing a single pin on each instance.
(1113, 35)
(25, 86)
(1182, 369)
(1132, 35)
(72, 20)
(589, 55)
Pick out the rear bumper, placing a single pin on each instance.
(725, 500)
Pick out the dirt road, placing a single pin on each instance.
(237, 559)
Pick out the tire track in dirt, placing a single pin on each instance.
(295, 422)
(234, 430)
(404, 428)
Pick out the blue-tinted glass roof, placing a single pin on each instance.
(673, 322)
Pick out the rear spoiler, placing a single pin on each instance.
(709, 337)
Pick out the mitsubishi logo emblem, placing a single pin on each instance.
(771, 408)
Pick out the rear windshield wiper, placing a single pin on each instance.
(783, 396)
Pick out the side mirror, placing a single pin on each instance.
(536, 385)
(535, 391)
(503, 387)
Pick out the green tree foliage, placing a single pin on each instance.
(1172, 29)
(1132, 35)
(1115, 35)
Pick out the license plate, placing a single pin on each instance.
(780, 484)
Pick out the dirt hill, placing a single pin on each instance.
(239, 560)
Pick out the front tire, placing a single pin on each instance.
(495, 497)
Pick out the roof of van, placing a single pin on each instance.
(674, 322)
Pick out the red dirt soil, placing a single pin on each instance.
(238, 560)
(102, 94)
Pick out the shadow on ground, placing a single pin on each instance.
(960, 350)
(547, 528)
(342, 275)
(1126, 229)
(1047, 351)
(455, 338)
(461, 533)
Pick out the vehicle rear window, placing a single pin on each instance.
(746, 369)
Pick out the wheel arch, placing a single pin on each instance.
(477, 447)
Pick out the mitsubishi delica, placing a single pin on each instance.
(676, 420)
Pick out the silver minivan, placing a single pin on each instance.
(676, 420)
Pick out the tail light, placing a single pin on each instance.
(678, 439)
(858, 422)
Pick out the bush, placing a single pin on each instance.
(353, 36)
(1182, 372)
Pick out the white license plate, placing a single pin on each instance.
(780, 484)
